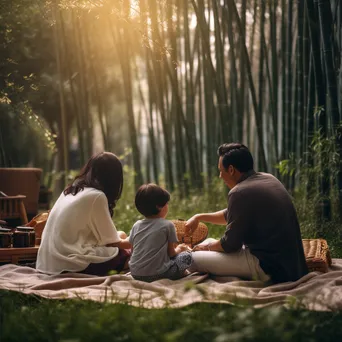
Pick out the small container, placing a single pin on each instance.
(21, 239)
(31, 235)
(5, 238)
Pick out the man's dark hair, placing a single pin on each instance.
(148, 197)
(237, 155)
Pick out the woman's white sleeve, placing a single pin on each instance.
(101, 223)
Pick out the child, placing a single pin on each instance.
(154, 256)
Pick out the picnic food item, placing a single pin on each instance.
(197, 236)
(317, 254)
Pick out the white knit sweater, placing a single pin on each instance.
(76, 232)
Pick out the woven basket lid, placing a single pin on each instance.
(197, 236)
(317, 254)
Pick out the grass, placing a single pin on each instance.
(30, 318)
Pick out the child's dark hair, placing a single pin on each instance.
(148, 197)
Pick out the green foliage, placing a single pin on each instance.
(287, 166)
(24, 137)
(322, 150)
(25, 46)
(29, 318)
(310, 229)
(308, 200)
(320, 164)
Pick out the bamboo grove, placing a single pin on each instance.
(194, 74)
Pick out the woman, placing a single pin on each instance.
(79, 235)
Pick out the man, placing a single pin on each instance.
(262, 238)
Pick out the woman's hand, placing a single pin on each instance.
(125, 244)
(122, 244)
(122, 235)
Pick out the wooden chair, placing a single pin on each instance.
(12, 207)
(23, 181)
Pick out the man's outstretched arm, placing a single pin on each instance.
(217, 217)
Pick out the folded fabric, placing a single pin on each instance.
(314, 291)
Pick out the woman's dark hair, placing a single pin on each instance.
(103, 171)
(237, 155)
(148, 197)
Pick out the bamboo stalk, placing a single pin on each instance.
(263, 164)
(288, 80)
(63, 132)
(123, 40)
(151, 92)
(181, 170)
(300, 78)
(219, 89)
(242, 86)
(325, 19)
(261, 64)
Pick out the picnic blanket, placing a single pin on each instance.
(315, 291)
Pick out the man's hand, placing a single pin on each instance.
(191, 225)
(217, 217)
(212, 246)
(201, 248)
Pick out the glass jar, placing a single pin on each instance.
(31, 235)
(5, 238)
(21, 239)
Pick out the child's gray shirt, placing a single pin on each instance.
(150, 238)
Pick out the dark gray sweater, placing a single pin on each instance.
(262, 217)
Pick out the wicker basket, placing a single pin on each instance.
(38, 223)
(198, 235)
(317, 254)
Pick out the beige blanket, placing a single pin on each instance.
(315, 291)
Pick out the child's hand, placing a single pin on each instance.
(183, 248)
